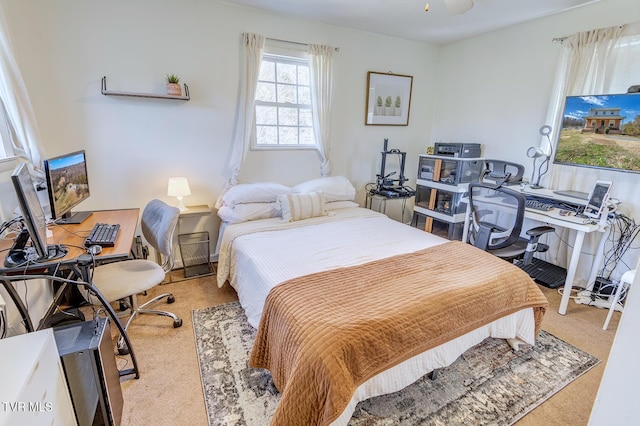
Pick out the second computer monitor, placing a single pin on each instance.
(67, 185)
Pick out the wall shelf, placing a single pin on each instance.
(106, 92)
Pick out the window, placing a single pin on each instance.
(6, 147)
(283, 116)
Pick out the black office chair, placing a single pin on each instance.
(497, 214)
(502, 172)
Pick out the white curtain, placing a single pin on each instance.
(320, 66)
(16, 104)
(252, 46)
(595, 62)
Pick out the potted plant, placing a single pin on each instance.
(398, 103)
(387, 103)
(379, 110)
(173, 86)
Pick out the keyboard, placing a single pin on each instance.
(103, 234)
(538, 205)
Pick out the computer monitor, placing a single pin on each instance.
(34, 221)
(67, 185)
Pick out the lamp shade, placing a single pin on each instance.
(534, 152)
(178, 187)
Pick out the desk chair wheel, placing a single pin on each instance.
(170, 299)
(177, 323)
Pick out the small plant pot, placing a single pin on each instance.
(174, 89)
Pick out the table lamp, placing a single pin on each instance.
(179, 187)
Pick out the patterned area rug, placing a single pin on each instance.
(490, 384)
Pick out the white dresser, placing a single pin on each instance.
(34, 390)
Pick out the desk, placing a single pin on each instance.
(76, 264)
(552, 217)
(73, 236)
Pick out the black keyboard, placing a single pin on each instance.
(103, 234)
(538, 205)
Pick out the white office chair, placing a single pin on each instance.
(625, 282)
(122, 281)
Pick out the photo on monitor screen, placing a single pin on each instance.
(601, 131)
(67, 182)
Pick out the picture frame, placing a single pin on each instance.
(388, 99)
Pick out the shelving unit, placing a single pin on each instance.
(106, 92)
(441, 187)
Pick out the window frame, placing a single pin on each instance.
(286, 54)
(6, 138)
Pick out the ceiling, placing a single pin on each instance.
(407, 19)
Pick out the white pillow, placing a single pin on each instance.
(263, 192)
(334, 188)
(336, 205)
(301, 206)
(248, 211)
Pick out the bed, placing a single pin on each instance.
(292, 270)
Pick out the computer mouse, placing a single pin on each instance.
(94, 250)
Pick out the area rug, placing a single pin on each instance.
(490, 384)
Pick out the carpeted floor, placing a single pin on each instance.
(169, 390)
(488, 385)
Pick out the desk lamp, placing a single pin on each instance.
(179, 187)
(536, 153)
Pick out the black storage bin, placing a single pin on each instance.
(195, 253)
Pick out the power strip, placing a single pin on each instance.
(584, 298)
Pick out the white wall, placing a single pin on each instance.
(134, 145)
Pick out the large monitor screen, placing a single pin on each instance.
(67, 185)
(601, 131)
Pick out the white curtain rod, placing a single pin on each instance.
(562, 39)
(337, 49)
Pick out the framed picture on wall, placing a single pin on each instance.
(388, 99)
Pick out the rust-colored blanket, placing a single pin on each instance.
(324, 334)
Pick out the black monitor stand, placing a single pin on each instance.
(20, 254)
(75, 218)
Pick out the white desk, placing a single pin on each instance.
(552, 217)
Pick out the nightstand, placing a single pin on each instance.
(196, 211)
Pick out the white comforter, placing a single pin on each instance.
(258, 255)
